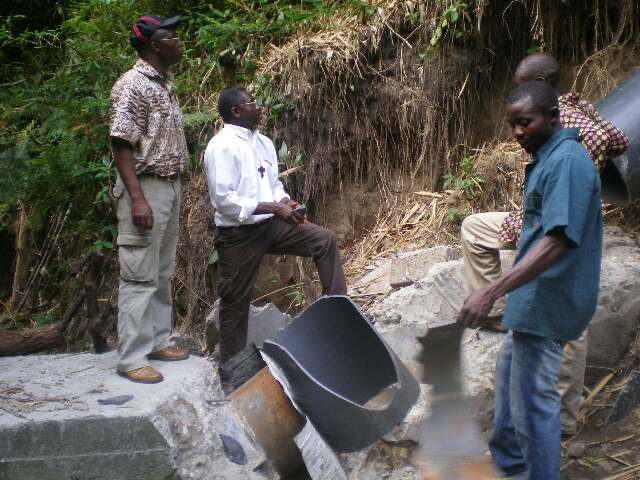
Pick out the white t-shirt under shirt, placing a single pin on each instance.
(234, 160)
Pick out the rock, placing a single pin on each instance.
(405, 314)
(616, 319)
(186, 342)
(409, 267)
(435, 299)
(375, 282)
(117, 400)
(576, 449)
(53, 428)
(264, 323)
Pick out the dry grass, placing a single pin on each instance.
(375, 106)
(421, 218)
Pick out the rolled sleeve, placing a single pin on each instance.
(128, 113)
(567, 198)
(223, 175)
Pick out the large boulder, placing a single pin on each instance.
(409, 267)
(615, 322)
(401, 317)
(376, 282)
(71, 417)
(436, 299)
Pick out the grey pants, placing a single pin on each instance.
(147, 262)
(480, 246)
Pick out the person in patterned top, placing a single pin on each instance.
(601, 139)
(150, 152)
(483, 235)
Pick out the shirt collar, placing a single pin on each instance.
(147, 70)
(241, 132)
(556, 139)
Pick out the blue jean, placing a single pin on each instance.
(526, 438)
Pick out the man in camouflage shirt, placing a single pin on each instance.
(150, 153)
(483, 235)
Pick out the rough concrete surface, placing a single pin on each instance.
(53, 428)
(409, 267)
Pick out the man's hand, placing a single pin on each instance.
(286, 213)
(141, 213)
(476, 308)
(542, 255)
(292, 203)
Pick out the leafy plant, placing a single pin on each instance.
(287, 159)
(42, 319)
(297, 297)
(60, 60)
(467, 181)
(454, 21)
(456, 216)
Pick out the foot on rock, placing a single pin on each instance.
(142, 375)
(169, 354)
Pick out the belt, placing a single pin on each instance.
(246, 225)
(169, 178)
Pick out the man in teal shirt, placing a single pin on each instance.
(553, 286)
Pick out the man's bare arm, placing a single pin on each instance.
(545, 253)
(141, 213)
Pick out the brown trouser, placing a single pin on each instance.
(240, 251)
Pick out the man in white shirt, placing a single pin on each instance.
(254, 216)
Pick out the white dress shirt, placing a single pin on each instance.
(233, 160)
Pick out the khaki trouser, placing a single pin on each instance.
(241, 250)
(147, 262)
(481, 246)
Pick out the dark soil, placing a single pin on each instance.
(608, 450)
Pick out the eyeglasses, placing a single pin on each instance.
(252, 102)
(176, 39)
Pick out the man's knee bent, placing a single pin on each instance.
(466, 230)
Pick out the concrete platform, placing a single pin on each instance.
(52, 426)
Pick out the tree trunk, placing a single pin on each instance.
(23, 258)
(94, 320)
(33, 340)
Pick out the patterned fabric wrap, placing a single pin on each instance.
(145, 113)
(601, 139)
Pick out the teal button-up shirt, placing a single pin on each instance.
(562, 193)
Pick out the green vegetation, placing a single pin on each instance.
(454, 21)
(60, 60)
(467, 181)
(456, 216)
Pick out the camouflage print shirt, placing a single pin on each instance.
(601, 139)
(145, 113)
